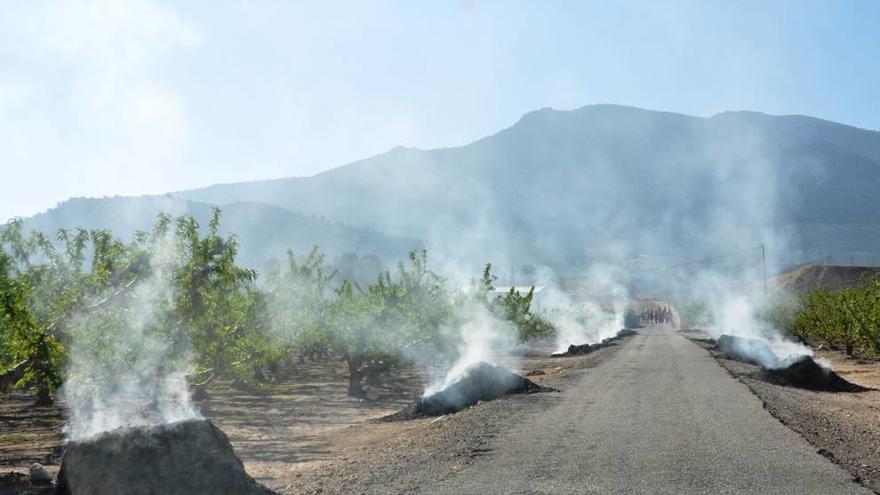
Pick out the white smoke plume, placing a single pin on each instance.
(596, 316)
(737, 314)
(124, 370)
(482, 338)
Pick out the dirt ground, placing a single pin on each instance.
(843, 426)
(305, 435)
(378, 457)
(28, 434)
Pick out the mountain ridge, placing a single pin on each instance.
(564, 186)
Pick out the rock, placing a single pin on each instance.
(39, 475)
(371, 393)
(186, 457)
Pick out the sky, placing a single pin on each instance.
(130, 97)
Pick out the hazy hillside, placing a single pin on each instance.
(562, 187)
(559, 186)
(811, 277)
(264, 231)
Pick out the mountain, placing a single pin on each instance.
(810, 277)
(264, 231)
(562, 188)
(559, 187)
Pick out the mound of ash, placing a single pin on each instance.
(186, 457)
(807, 373)
(479, 382)
(794, 370)
(577, 350)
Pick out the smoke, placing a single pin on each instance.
(771, 353)
(735, 320)
(126, 368)
(595, 316)
(482, 337)
(604, 186)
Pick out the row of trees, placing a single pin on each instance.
(85, 288)
(79, 290)
(847, 318)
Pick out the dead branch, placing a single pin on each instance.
(113, 296)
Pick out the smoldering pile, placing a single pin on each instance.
(800, 371)
(807, 373)
(577, 350)
(479, 382)
(186, 457)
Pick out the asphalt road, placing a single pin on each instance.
(661, 416)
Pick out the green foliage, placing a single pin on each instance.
(22, 338)
(299, 296)
(53, 294)
(180, 286)
(216, 301)
(514, 307)
(848, 318)
(369, 327)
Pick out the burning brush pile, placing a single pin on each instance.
(479, 382)
(577, 350)
(185, 457)
(788, 369)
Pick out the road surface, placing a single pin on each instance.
(661, 416)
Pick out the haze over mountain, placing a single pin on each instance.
(566, 187)
(264, 231)
(560, 186)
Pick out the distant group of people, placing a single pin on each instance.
(658, 316)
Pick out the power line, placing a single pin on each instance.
(700, 261)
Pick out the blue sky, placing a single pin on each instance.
(141, 96)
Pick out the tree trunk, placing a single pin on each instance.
(374, 376)
(199, 393)
(44, 398)
(355, 375)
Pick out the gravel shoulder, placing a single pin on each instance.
(842, 426)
